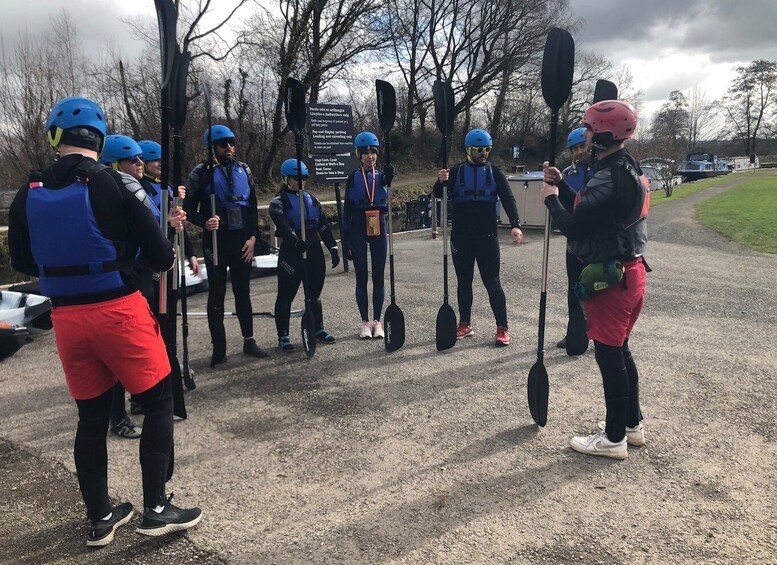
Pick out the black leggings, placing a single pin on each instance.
(485, 250)
(574, 269)
(290, 275)
(156, 447)
(229, 255)
(377, 250)
(621, 388)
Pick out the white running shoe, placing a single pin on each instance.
(366, 331)
(377, 330)
(634, 436)
(598, 444)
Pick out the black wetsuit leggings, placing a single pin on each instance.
(156, 445)
(378, 246)
(485, 250)
(229, 255)
(291, 274)
(621, 388)
(574, 269)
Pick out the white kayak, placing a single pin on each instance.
(265, 263)
(24, 309)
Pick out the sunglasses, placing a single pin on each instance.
(482, 149)
(222, 143)
(135, 159)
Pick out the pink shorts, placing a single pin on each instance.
(612, 313)
(104, 342)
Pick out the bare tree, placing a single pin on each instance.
(749, 101)
(703, 117)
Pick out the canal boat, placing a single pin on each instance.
(701, 164)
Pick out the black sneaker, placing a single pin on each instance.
(126, 428)
(250, 348)
(101, 532)
(171, 519)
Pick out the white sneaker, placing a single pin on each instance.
(598, 444)
(634, 436)
(377, 330)
(366, 331)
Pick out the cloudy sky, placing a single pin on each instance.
(668, 44)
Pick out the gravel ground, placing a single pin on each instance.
(359, 456)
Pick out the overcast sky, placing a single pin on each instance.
(667, 44)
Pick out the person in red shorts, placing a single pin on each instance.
(78, 226)
(607, 231)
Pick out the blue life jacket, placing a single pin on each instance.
(312, 213)
(73, 256)
(358, 193)
(156, 199)
(474, 184)
(231, 192)
(577, 176)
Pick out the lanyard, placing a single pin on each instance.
(371, 197)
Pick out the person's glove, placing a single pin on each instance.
(388, 174)
(299, 245)
(335, 257)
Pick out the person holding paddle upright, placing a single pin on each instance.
(236, 221)
(364, 226)
(607, 231)
(473, 187)
(284, 211)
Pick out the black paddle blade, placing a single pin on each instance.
(309, 333)
(443, 106)
(180, 74)
(188, 376)
(387, 105)
(577, 335)
(179, 404)
(605, 90)
(537, 388)
(294, 105)
(445, 329)
(558, 66)
(167, 17)
(394, 326)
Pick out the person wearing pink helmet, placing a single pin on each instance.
(607, 231)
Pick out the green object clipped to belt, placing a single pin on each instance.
(598, 276)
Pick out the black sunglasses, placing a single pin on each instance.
(134, 159)
(222, 143)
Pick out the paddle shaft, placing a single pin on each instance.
(339, 200)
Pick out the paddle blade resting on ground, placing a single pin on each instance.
(309, 332)
(537, 389)
(605, 90)
(394, 326)
(577, 335)
(445, 327)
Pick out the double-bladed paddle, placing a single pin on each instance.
(445, 328)
(394, 319)
(558, 65)
(296, 116)
(209, 170)
(605, 90)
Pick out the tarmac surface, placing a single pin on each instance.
(360, 456)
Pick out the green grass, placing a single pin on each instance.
(659, 197)
(744, 214)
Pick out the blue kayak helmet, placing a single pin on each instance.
(289, 169)
(576, 137)
(478, 138)
(119, 147)
(365, 140)
(152, 151)
(76, 121)
(217, 132)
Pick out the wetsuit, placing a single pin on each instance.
(284, 211)
(473, 191)
(236, 208)
(609, 223)
(79, 226)
(365, 193)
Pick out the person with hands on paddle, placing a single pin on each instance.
(285, 213)
(473, 187)
(103, 328)
(576, 176)
(236, 221)
(607, 231)
(364, 225)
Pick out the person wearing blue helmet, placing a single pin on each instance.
(285, 214)
(473, 188)
(576, 176)
(364, 230)
(236, 221)
(78, 226)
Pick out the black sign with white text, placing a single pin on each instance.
(333, 168)
(330, 129)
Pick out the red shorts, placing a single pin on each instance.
(104, 342)
(612, 313)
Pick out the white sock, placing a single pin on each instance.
(108, 517)
(158, 509)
